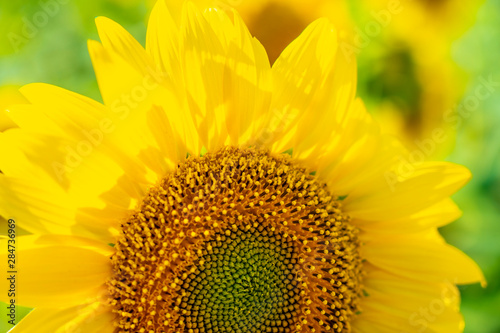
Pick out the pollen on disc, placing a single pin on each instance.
(239, 240)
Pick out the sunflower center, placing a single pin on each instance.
(246, 282)
(237, 241)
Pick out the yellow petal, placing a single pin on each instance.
(43, 209)
(227, 77)
(383, 322)
(20, 148)
(164, 134)
(90, 128)
(314, 88)
(432, 317)
(46, 192)
(116, 78)
(438, 215)
(56, 271)
(422, 260)
(409, 305)
(202, 63)
(96, 141)
(131, 92)
(115, 38)
(246, 80)
(407, 311)
(355, 152)
(93, 317)
(162, 40)
(395, 198)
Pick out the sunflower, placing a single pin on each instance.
(212, 192)
(416, 83)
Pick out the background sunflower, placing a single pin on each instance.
(36, 50)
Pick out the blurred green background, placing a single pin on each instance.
(402, 84)
(478, 147)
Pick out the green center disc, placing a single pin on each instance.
(246, 284)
